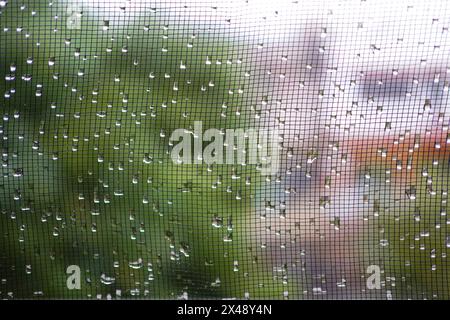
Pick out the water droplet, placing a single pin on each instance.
(51, 61)
(107, 280)
(137, 264)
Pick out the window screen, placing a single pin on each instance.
(224, 149)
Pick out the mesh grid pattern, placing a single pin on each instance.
(96, 203)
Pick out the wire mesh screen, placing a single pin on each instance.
(224, 149)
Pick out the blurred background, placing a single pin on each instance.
(92, 90)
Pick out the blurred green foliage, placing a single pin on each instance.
(87, 175)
